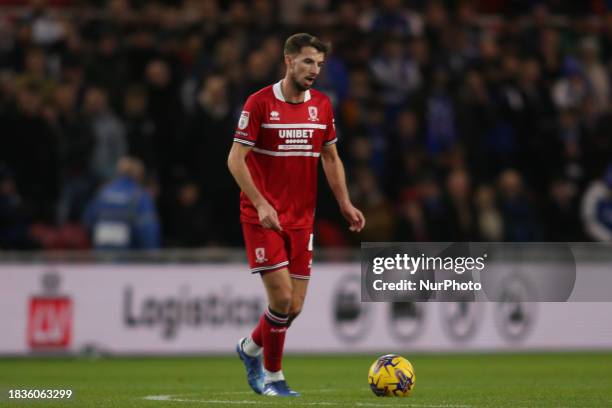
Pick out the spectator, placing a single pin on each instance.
(76, 144)
(203, 137)
(190, 222)
(410, 224)
(395, 73)
(108, 68)
(122, 215)
(29, 146)
(392, 18)
(490, 224)
(562, 215)
(441, 132)
(434, 210)
(35, 74)
(164, 107)
(520, 221)
(140, 127)
(108, 132)
(419, 90)
(595, 72)
(597, 208)
(15, 217)
(572, 89)
(462, 225)
(260, 71)
(376, 209)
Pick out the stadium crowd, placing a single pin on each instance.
(475, 120)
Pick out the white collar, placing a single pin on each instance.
(278, 93)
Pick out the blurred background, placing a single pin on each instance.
(458, 120)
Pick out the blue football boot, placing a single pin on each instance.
(279, 389)
(254, 368)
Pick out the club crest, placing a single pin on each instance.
(260, 255)
(313, 114)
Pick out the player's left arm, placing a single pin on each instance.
(336, 177)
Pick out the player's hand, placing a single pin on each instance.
(354, 217)
(268, 217)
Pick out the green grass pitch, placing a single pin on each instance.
(443, 381)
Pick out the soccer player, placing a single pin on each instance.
(282, 131)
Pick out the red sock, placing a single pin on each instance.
(273, 332)
(256, 335)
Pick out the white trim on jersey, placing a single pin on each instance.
(285, 154)
(295, 147)
(330, 142)
(293, 126)
(246, 142)
(278, 93)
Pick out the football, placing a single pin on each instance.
(391, 376)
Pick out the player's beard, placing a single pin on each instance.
(298, 85)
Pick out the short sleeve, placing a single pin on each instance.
(247, 129)
(330, 130)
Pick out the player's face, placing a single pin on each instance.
(305, 67)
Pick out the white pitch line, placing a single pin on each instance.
(373, 404)
(230, 393)
(174, 399)
(157, 397)
(322, 403)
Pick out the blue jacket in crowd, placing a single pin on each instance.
(123, 216)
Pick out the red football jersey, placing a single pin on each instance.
(287, 139)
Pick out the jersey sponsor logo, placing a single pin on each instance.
(274, 115)
(313, 114)
(296, 136)
(260, 255)
(243, 122)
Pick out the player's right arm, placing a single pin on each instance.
(247, 133)
(239, 169)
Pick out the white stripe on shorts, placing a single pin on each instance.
(267, 268)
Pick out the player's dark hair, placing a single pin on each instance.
(295, 43)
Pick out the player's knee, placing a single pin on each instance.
(281, 301)
(296, 307)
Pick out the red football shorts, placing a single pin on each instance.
(269, 250)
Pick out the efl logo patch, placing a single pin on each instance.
(243, 122)
(260, 255)
(313, 114)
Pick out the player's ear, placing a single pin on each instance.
(288, 59)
